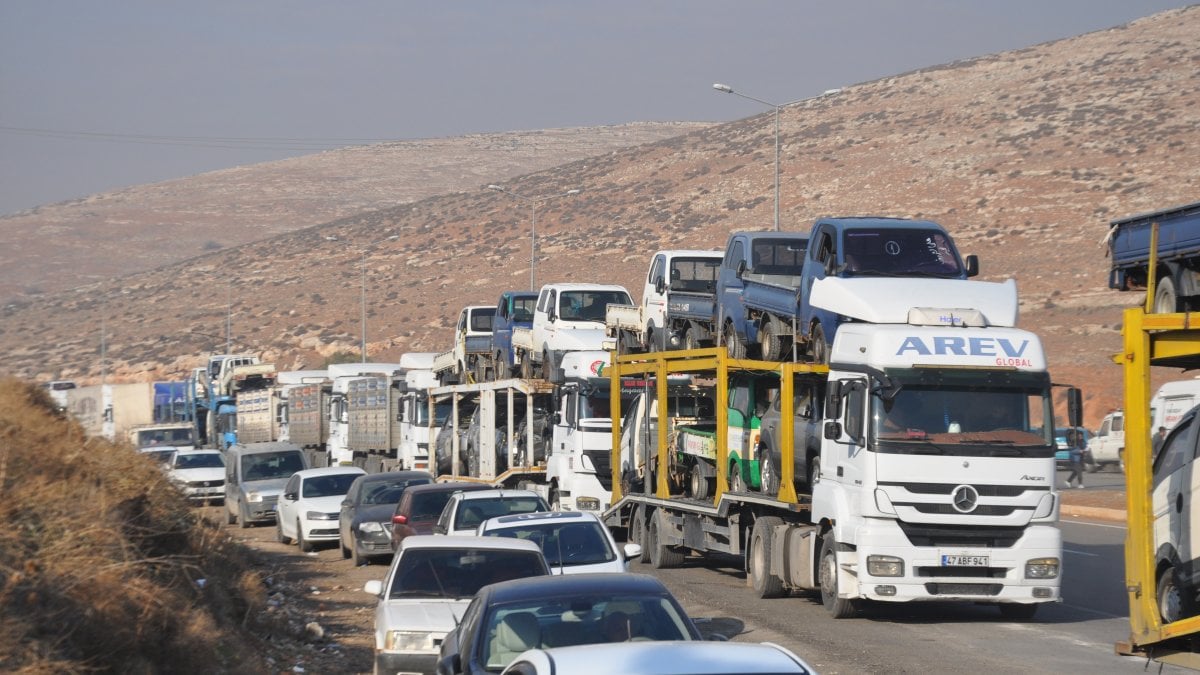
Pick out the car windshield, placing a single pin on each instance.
(152, 437)
(472, 512)
(564, 544)
(205, 460)
(270, 465)
(589, 305)
(577, 620)
(459, 572)
(900, 252)
(328, 486)
(389, 492)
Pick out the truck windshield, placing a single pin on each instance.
(963, 420)
(777, 256)
(522, 309)
(901, 253)
(589, 305)
(164, 437)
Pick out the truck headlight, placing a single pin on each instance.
(1041, 568)
(409, 641)
(885, 566)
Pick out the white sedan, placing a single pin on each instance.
(574, 542)
(200, 474)
(311, 502)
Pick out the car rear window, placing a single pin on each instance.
(460, 572)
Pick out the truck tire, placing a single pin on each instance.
(637, 533)
(818, 347)
(1166, 300)
(698, 483)
(768, 476)
(839, 608)
(772, 342)
(758, 559)
(661, 557)
(1173, 603)
(733, 345)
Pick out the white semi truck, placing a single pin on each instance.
(935, 478)
(416, 416)
(341, 375)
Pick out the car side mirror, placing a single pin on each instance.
(374, 587)
(741, 268)
(399, 519)
(660, 285)
(833, 430)
(290, 496)
(972, 262)
(632, 551)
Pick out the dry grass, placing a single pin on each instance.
(103, 566)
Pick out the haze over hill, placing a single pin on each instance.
(60, 246)
(1024, 156)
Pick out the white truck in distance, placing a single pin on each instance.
(569, 317)
(678, 299)
(472, 347)
(412, 453)
(338, 444)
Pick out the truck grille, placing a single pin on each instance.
(983, 490)
(960, 535)
(947, 510)
(963, 572)
(962, 589)
(205, 483)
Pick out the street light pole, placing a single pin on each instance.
(729, 90)
(533, 202)
(363, 293)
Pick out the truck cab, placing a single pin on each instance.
(472, 347)
(756, 292)
(569, 317)
(871, 247)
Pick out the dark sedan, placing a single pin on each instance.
(365, 521)
(420, 507)
(510, 617)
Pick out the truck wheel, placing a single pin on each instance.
(303, 543)
(737, 482)
(758, 565)
(1165, 298)
(690, 341)
(1173, 603)
(839, 608)
(818, 347)
(1018, 611)
(768, 477)
(698, 482)
(771, 341)
(733, 345)
(547, 366)
(637, 533)
(661, 557)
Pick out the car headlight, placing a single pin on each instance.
(1041, 568)
(409, 641)
(254, 496)
(370, 527)
(320, 515)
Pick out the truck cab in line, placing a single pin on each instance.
(569, 317)
(469, 357)
(676, 311)
(514, 310)
(342, 374)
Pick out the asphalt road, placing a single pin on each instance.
(1076, 635)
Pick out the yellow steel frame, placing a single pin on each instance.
(704, 361)
(1150, 340)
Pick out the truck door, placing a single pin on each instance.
(844, 456)
(655, 301)
(1174, 487)
(732, 287)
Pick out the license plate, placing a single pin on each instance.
(965, 561)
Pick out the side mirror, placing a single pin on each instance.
(399, 519)
(833, 430)
(551, 316)
(374, 587)
(833, 400)
(972, 262)
(1075, 406)
(741, 268)
(290, 496)
(557, 418)
(660, 285)
(632, 551)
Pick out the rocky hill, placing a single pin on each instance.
(1024, 156)
(60, 246)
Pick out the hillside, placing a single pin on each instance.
(1024, 156)
(60, 246)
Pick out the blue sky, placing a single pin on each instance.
(100, 95)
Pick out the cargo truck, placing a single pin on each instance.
(417, 416)
(337, 443)
(677, 308)
(920, 494)
(112, 410)
(1176, 277)
(284, 382)
(567, 318)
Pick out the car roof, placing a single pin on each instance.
(255, 448)
(699, 658)
(395, 475)
(427, 541)
(532, 588)
(879, 223)
(197, 451)
(446, 487)
(329, 471)
(520, 519)
(493, 493)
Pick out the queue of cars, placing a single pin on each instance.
(479, 578)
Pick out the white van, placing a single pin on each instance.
(1171, 401)
(1108, 444)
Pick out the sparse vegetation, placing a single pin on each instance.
(103, 566)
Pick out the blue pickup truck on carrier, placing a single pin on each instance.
(1177, 272)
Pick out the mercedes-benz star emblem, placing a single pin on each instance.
(965, 498)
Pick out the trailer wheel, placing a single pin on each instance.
(698, 482)
(1173, 603)
(637, 533)
(839, 608)
(733, 345)
(661, 557)
(758, 567)
(1165, 298)
(818, 347)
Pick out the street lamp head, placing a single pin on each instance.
(330, 237)
(497, 188)
(723, 87)
(571, 192)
